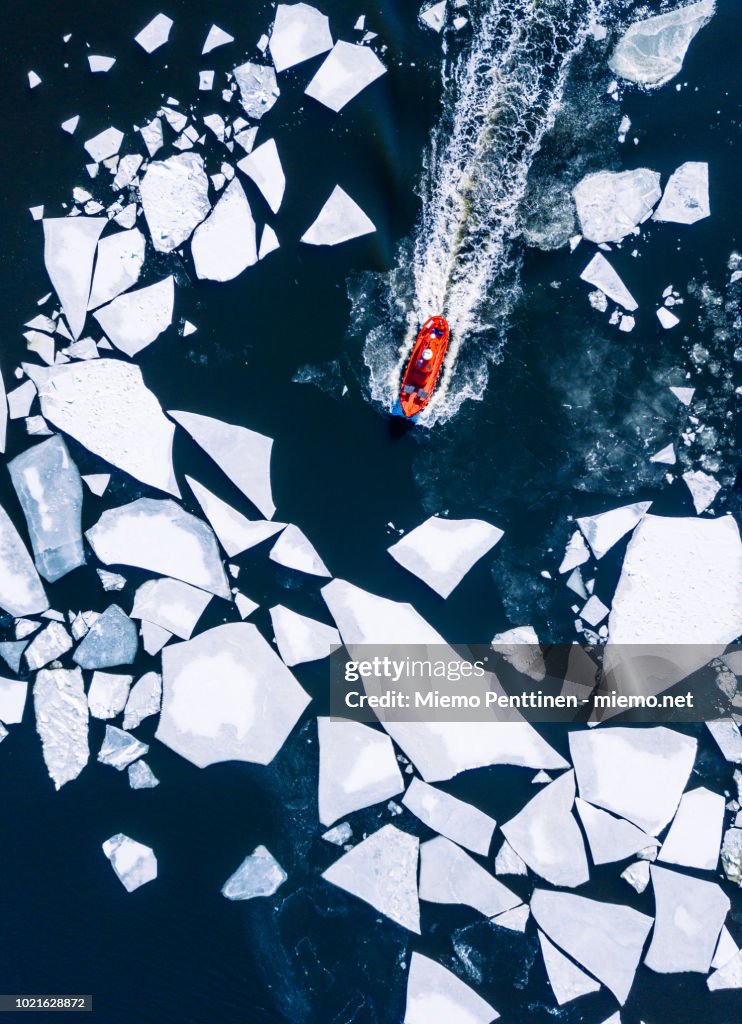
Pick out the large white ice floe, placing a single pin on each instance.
(243, 455)
(346, 71)
(110, 641)
(689, 915)
(21, 590)
(357, 768)
(133, 862)
(155, 33)
(236, 533)
(117, 266)
(294, 551)
(48, 486)
(611, 204)
(449, 875)
(69, 251)
(442, 551)
(258, 88)
(224, 244)
(299, 32)
(175, 199)
(259, 874)
(436, 996)
(686, 196)
(161, 537)
(136, 319)
(605, 938)
(62, 722)
(639, 774)
(144, 700)
(382, 871)
(651, 52)
(12, 700)
(339, 220)
(227, 696)
(606, 529)
(547, 837)
(108, 694)
(695, 834)
(601, 275)
(300, 639)
(105, 405)
(610, 838)
(567, 981)
(171, 604)
(451, 817)
(263, 166)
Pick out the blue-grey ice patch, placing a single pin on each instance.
(141, 776)
(690, 913)
(144, 700)
(435, 994)
(258, 88)
(12, 700)
(69, 251)
(21, 590)
(651, 52)
(120, 748)
(175, 199)
(107, 694)
(357, 768)
(133, 862)
(48, 486)
(449, 875)
(610, 204)
(61, 710)
(111, 640)
(259, 874)
(11, 651)
(48, 645)
(170, 604)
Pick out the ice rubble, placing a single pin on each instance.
(136, 319)
(547, 837)
(12, 700)
(293, 550)
(61, 710)
(299, 638)
(610, 205)
(155, 33)
(48, 486)
(171, 604)
(651, 52)
(347, 70)
(299, 32)
(110, 641)
(689, 915)
(601, 275)
(120, 748)
(163, 538)
(118, 265)
(695, 834)
(637, 875)
(236, 533)
(382, 871)
(567, 981)
(104, 404)
(134, 863)
(461, 822)
(108, 694)
(731, 855)
(141, 776)
(442, 551)
(258, 88)
(69, 251)
(611, 839)
(686, 196)
(216, 37)
(48, 645)
(259, 874)
(227, 697)
(263, 166)
(175, 199)
(357, 768)
(436, 996)
(339, 220)
(639, 774)
(449, 875)
(604, 938)
(144, 700)
(225, 244)
(243, 455)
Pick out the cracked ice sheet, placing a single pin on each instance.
(300, 639)
(689, 915)
(347, 70)
(299, 32)
(69, 251)
(651, 52)
(436, 996)
(461, 822)
(449, 875)
(134, 320)
(118, 265)
(21, 590)
(611, 839)
(227, 696)
(441, 552)
(162, 537)
(610, 205)
(225, 243)
(105, 405)
(235, 532)
(175, 199)
(170, 604)
(339, 220)
(357, 768)
(62, 722)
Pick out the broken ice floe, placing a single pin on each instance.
(507, 861)
(441, 551)
(605, 530)
(299, 32)
(567, 981)
(436, 996)
(703, 489)
(689, 915)
(357, 768)
(667, 319)
(144, 700)
(651, 52)
(601, 274)
(259, 874)
(216, 37)
(694, 838)
(110, 641)
(171, 604)
(48, 645)
(134, 320)
(227, 696)
(120, 748)
(610, 205)
(104, 145)
(69, 250)
(449, 875)
(21, 590)
(225, 243)
(294, 551)
(433, 16)
(728, 739)
(175, 199)
(263, 166)
(686, 196)
(347, 70)
(236, 533)
(576, 553)
(301, 639)
(339, 220)
(665, 456)
(155, 33)
(141, 776)
(134, 863)
(611, 839)
(12, 700)
(108, 694)
(97, 482)
(61, 710)
(118, 264)
(459, 821)
(258, 88)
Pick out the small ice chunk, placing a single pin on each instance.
(520, 648)
(62, 722)
(152, 135)
(236, 533)
(136, 319)
(728, 739)
(119, 263)
(382, 871)
(144, 700)
(69, 250)
(436, 996)
(594, 611)
(567, 981)
(37, 212)
(99, 64)
(703, 488)
(686, 196)
(175, 199)
(134, 863)
(448, 875)
(225, 243)
(70, 125)
(728, 976)
(339, 220)
(12, 700)
(605, 530)
(301, 639)
(48, 645)
(695, 834)
(245, 606)
(163, 538)
(258, 88)
(33, 79)
(684, 395)
(216, 37)
(110, 641)
(610, 205)
(507, 861)
(293, 550)
(119, 748)
(111, 580)
(651, 51)
(141, 776)
(205, 80)
(731, 855)
(105, 144)
(108, 694)
(299, 32)
(259, 874)
(690, 913)
(357, 768)
(268, 242)
(601, 274)
(339, 835)
(347, 70)
(174, 605)
(97, 482)
(726, 949)
(637, 875)
(155, 33)
(610, 838)
(667, 319)
(451, 817)
(20, 400)
(576, 553)
(215, 124)
(442, 551)
(665, 456)
(263, 165)
(21, 590)
(434, 16)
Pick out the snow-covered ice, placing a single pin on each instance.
(118, 265)
(601, 275)
(459, 821)
(567, 981)
(152, 135)
(175, 199)
(299, 638)
(689, 915)
(442, 551)
(268, 242)
(357, 768)
(299, 32)
(108, 694)
(120, 748)
(172, 604)
(259, 874)
(134, 863)
(144, 700)
(610, 839)
(686, 196)
(694, 838)
(651, 52)
(703, 489)
(155, 33)
(61, 710)
(436, 996)
(258, 88)
(48, 645)
(294, 551)
(339, 220)
(21, 399)
(263, 166)
(728, 976)
(110, 641)
(236, 533)
(347, 70)
(69, 250)
(611, 204)
(225, 243)
(449, 875)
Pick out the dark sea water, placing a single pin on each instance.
(567, 419)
